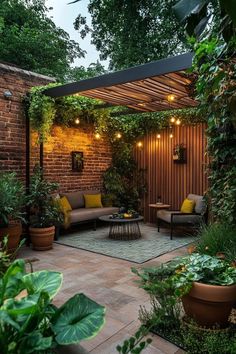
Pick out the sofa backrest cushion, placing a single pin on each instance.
(76, 199)
(200, 204)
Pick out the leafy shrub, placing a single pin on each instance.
(218, 238)
(11, 197)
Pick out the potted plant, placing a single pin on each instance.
(207, 286)
(30, 322)
(12, 197)
(45, 212)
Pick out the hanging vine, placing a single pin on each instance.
(215, 63)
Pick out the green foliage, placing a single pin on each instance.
(165, 284)
(45, 111)
(204, 269)
(218, 239)
(165, 310)
(207, 17)
(12, 198)
(46, 211)
(197, 341)
(81, 73)
(216, 91)
(133, 32)
(6, 259)
(135, 344)
(29, 321)
(30, 39)
(41, 111)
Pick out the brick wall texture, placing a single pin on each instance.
(58, 148)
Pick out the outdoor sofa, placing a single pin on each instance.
(81, 214)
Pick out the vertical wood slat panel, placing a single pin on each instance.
(172, 181)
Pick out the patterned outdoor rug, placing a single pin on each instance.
(151, 245)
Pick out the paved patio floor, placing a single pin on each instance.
(108, 281)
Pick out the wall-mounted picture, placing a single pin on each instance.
(77, 161)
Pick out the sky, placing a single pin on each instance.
(63, 16)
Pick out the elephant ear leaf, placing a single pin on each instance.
(78, 319)
(11, 284)
(43, 281)
(185, 8)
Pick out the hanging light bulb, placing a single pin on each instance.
(171, 136)
(77, 121)
(118, 135)
(178, 122)
(172, 119)
(158, 136)
(97, 136)
(139, 144)
(171, 97)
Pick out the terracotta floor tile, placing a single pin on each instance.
(107, 281)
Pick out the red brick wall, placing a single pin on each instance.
(58, 149)
(12, 120)
(58, 160)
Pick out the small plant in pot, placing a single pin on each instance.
(207, 286)
(12, 197)
(45, 212)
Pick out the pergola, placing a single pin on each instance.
(156, 86)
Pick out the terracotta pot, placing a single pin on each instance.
(14, 231)
(42, 238)
(210, 305)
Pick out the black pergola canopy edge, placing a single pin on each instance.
(141, 72)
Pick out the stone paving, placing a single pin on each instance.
(108, 281)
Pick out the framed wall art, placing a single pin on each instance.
(77, 161)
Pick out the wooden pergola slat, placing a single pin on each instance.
(143, 88)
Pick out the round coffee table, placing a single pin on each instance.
(123, 229)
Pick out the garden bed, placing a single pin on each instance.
(198, 340)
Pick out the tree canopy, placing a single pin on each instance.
(131, 32)
(31, 40)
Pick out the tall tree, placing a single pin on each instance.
(131, 32)
(31, 40)
(81, 73)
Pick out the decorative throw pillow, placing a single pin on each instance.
(93, 201)
(64, 205)
(187, 206)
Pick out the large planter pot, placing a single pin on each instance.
(209, 305)
(42, 238)
(13, 231)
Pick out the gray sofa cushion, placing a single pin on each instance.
(165, 215)
(200, 204)
(76, 199)
(84, 214)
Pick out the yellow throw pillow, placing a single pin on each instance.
(187, 206)
(64, 205)
(92, 200)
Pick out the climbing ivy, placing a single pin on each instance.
(215, 65)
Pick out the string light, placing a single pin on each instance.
(97, 136)
(172, 119)
(178, 122)
(158, 136)
(118, 135)
(171, 136)
(77, 121)
(139, 144)
(171, 97)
